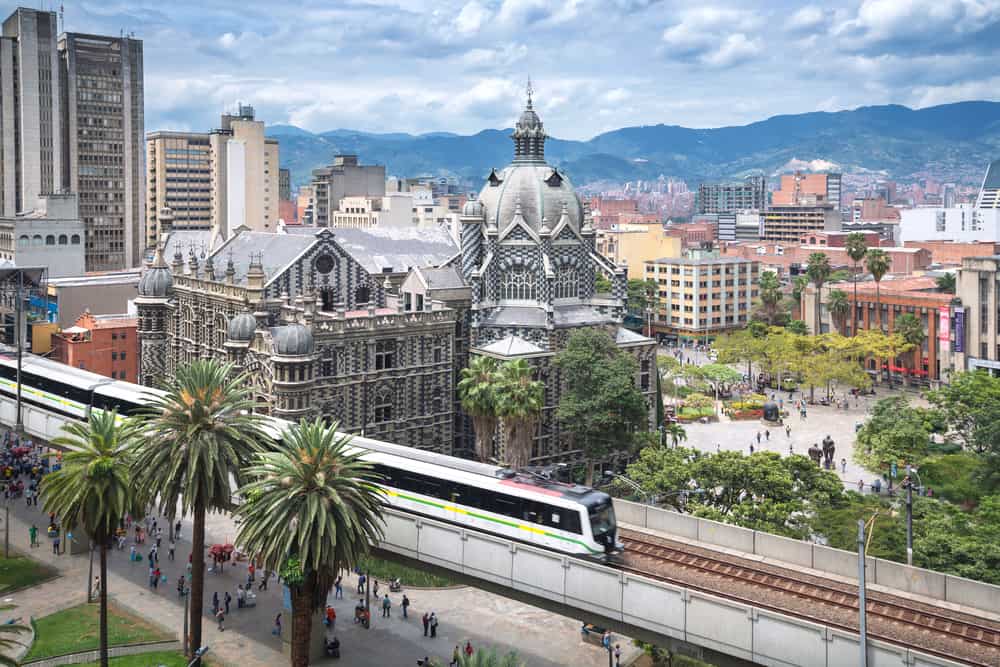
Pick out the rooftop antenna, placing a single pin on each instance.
(530, 91)
(62, 18)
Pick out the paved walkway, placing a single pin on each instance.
(542, 639)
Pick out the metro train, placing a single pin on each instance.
(519, 506)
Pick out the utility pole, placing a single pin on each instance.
(6, 529)
(18, 306)
(862, 611)
(909, 516)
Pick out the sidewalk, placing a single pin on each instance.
(541, 639)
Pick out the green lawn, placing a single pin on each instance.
(385, 571)
(19, 572)
(76, 629)
(154, 659)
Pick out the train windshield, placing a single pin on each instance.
(602, 519)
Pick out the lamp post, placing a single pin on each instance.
(631, 484)
(862, 630)
(908, 485)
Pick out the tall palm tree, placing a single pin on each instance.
(946, 283)
(856, 249)
(8, 643)
(818, 269)
(94, 489)
(477, 391)
(878, 263)
(519, 400)
(839, 307)
(313, 509)
(676, 433)
(770, 294)
(198, 437)
(911, 329)
(799, 284)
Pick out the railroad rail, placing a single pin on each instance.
(950, 634)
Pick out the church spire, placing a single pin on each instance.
(529, 134)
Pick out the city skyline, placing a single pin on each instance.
(465, 61)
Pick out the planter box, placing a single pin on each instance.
(745, 415)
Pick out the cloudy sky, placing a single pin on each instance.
(460, 65)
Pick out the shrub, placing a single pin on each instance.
(697, 400)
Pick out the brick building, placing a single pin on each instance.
(953, 252)
(791, 258)
(102, 344)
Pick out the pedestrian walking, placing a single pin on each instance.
(361, 584)
(791, 450)
(843, 466)
(468, 649)
(861, 485)
(156, 577)
(434, 624)
(618, 655)
(55, 546)
(241, 597)
(220, 617)
(215, 602)
(97, 586)
(386, 605)
(227, 599)
(767, 435)
(33, 535)
(405, 605)
(331, 618)
(456, 657)
(788, 431)
(758, 437)
(426, 620)
(277, 625)
(751, 448)
(159, 536)
(180, 586)
(338, 588)
(177, 530)
(262, 586)
(170, 550)
(375, 590)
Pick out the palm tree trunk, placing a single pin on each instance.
(819, 309)
(302, 621)
(484, 427)
(197, 579)
(854, 306)
(103, 593)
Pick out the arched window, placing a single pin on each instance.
(75, 239)
(50, 239)
(187, 323)
(518, 284)
(567, 282)
(219, 332)
(63, 240)
(23, 241)
(383, 406)
(362, 295)
(36, 239)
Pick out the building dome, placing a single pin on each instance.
(157, 281)
(241, 328)
(292, 340)
(541, 191)
(473, 208)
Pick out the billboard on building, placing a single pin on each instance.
(960, 330)
(944, 324)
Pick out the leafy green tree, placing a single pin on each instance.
(676, 433)
(640, 293)
(477, 391)
(799, 284)
(600, 405)
(878, 263)
(312, 510)
(771, 297)
(909, 327)
(602, 284)
(957, 478)
(745, 345)
(486, 657)
(9, 640)
(520, 399)
(896, 432)
(818, 269)
(857, 248)
(839, 307)
(198, 438)
(94, 490)
(797, 327)
(968, 403)
(946, 283)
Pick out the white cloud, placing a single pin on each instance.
(732, 51)
(471, 18)
(809, 17)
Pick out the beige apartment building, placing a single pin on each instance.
(365, 212)
(635, 245)
(976, 326)
(701, 295)
(218, 180)
(790, 223)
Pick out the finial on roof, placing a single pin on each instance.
(530, 91)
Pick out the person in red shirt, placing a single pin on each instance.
(331, 617)
(468, 648)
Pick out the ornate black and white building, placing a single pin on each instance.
(312, 314)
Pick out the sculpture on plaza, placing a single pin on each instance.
(772, 414)
(828, 452)
(815, 453)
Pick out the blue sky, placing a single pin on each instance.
(460, 65)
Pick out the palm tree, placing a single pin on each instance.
(313, 509)
(477, 390)
(946, 283)
(799, 285)
(878, 263)
(94, 489)
(839, 307)
(818, 269)
(910, 328)
(486, 658)
(519, 401)
(856, 249)
(676, 433)
(770, 294)
(198, 438)
(9, 644)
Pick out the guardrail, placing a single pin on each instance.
(113, 652)
(936, 585)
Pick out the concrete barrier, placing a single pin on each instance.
(781, 642)
(909, 579)
(784, 549)
(844, 563)
(673, 523)
(633, 513)
(720, 625)
(972, 593)
(725, 535)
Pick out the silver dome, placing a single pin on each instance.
(473, 208)
(292, 340)
(156, 282)
(540, 195)
(241, 328)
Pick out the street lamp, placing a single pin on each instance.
(198, 655)
(908, 485)
(611, 475)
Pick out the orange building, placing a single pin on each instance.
(102, 344)
(800, 189)
(952, 252)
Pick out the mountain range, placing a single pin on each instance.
(951, 142)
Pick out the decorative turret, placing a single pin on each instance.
(230, 270)
(192, 261)
(157, 281)
(178, 265)
(209, 268)
(255, 273)
(529, 134)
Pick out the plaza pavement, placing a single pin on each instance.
(541, 638)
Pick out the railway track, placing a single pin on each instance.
(894, 619)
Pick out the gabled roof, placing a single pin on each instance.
(625, 337)
(511, 346)
(443, 278)
(398, 249)
(276, 250)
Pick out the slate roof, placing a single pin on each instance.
(511, 346)
(444, 278)
(624, 336)
(396, 248)
(524, 316)
(184, 239)
(575, 316)
(278, 250)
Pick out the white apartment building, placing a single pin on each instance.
(394, 210)
(962, 223)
